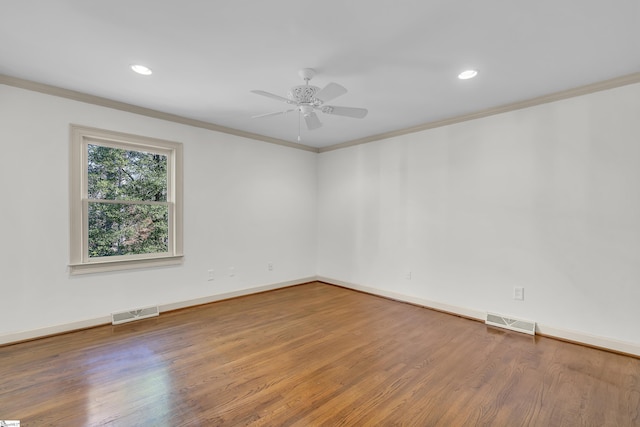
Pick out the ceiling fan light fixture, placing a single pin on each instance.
(467, 74)
(141, 69)
(306, 109)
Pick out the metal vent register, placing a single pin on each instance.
(136, 314)
(518, 325)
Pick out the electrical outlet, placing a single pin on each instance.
(408, 275)
(518, 293)
(232, 271)
(210, 275)
(270, 266)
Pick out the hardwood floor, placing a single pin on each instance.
(312, 355)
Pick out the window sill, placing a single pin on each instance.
(117, 265)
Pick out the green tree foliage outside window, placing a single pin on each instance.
(128, 212)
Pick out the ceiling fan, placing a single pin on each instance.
(306, 99)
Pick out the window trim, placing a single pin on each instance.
(80, 263)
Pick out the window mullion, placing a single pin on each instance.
(129, 202)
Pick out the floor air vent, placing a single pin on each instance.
(518, 325)
(137, 314)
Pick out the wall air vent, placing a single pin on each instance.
(518, 325)
(136, 314)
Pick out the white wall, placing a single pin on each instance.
(547, 198)
(246, 203)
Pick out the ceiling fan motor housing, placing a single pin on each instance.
(303, 94)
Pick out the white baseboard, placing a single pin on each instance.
(461, 311)
(53, 330)
(234, 294)
(590, 340)
(104, 320)
(549, 331)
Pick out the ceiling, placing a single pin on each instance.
(399, 59)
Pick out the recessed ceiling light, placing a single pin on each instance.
(141, 69)
(467, 74)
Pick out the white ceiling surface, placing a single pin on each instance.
(399, 59)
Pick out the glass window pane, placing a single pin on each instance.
(117, 174)
(123, 229)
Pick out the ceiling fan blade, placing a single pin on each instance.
(272, 96)
(312, 120)
(271, 114)
(357, 113)
(330, 91)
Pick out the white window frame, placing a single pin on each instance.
(80, 262)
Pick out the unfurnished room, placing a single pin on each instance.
(320, 213)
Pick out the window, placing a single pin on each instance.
(126, 201)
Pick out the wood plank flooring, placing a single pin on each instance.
(313, 355)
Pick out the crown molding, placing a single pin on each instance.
(130, 108)
(109, 103)
(557, 96)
